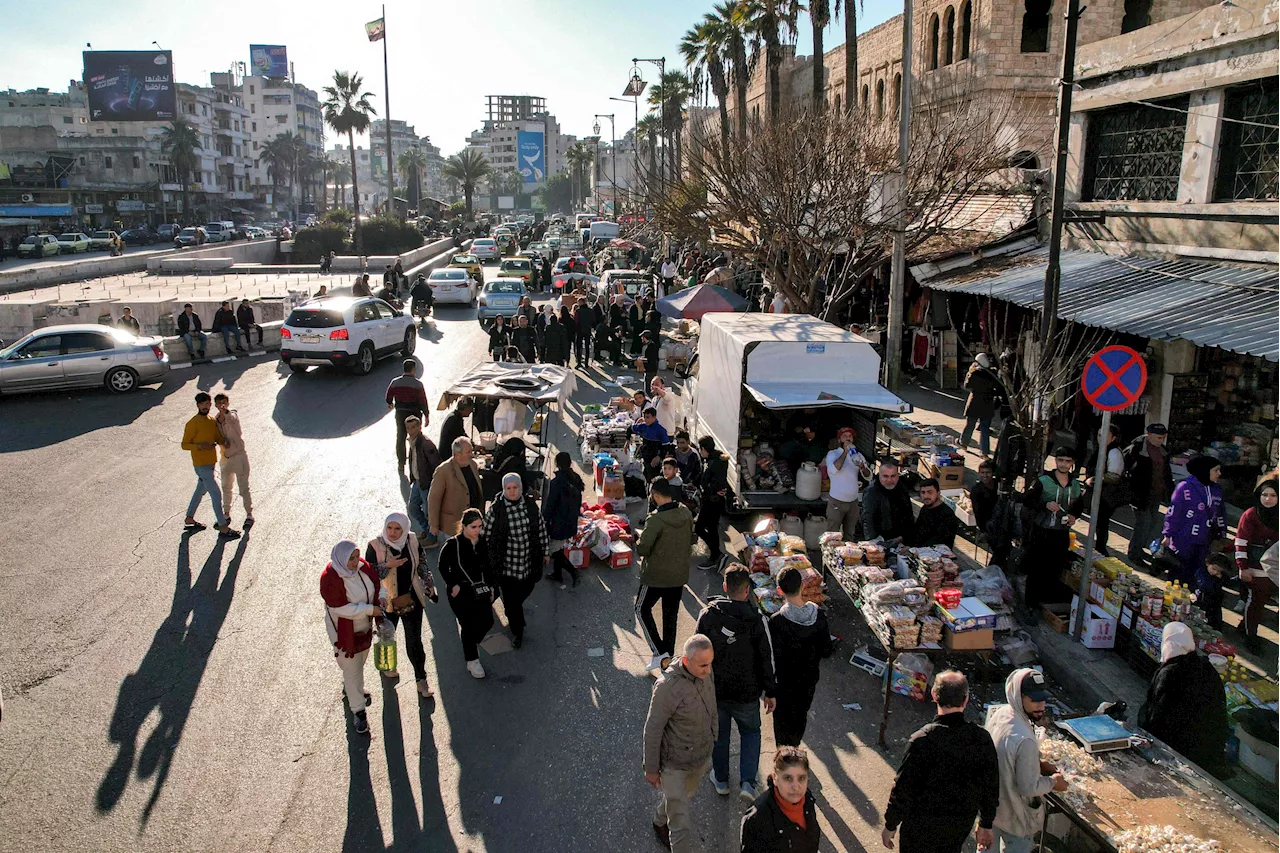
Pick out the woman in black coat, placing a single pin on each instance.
(556, 342)
(784, 818)
(518, 549)
(469, 585)
(560, 511)
(635, 323)
(1186, 706)
(499, 337)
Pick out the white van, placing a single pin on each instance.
(603, 228)
(583, 220)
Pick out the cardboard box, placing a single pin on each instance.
(578, 557)
(983, 638)
(948, 476)
(1099, 626)
(1056, 616)
(620, 555)
(613, 490)
(969, 615)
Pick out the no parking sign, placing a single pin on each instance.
(1114, 378)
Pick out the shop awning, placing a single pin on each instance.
(811, 395)
(1211, 304)
(34, 210)
(525, 383)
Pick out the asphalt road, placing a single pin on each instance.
(167, 692)
(12, 263)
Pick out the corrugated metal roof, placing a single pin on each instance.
(1221, 305)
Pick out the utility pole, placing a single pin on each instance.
(613, 159)
(661, 62)
(1053, 270)
(898, 272)
(386, 103)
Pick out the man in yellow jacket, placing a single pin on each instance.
(201, 438)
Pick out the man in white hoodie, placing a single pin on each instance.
(1024, 778)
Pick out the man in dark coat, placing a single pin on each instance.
(454, 425)
(886, 507)
(557, 341)
(984, 389)
(584, 321)
(1146, 469)
(949, 775)
(801, 637)
(937, 523)
(525, 340)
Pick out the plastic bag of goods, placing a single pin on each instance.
(988, 585)
(509, 417)
(777, 564)
(793, 544)
(911, 676)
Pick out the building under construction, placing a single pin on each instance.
(515, 107)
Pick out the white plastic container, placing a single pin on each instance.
(488, 440)
(814, 527)
(792, 525)
(808, 482)
(749, 462)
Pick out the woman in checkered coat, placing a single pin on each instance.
(518, 551)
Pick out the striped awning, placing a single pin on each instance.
(1212, 304)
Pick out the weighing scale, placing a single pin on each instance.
(1098, 733)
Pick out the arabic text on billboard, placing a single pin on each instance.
(130, 85)
(532, 163)
(269, 60)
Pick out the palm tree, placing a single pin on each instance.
(468, 168)
(347, 110)
(179, 142)
(734, 19)
(671, 96)
(580, 156)
(276, 153)
(411, 163)
(706, 50)
(819, 18)
(775, 20)
(649, 127)
(850, 51)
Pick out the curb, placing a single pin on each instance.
(183, 365)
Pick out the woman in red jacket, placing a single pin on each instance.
(354, 601)
(1256, 538)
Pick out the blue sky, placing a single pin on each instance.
(444, 57)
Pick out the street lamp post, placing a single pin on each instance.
(613, 157)
(634, 87)
(661, 62)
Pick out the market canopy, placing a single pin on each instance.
(619, 243)
(524, 383)
(814, 395)
(692, 303)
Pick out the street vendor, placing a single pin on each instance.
(805, 446)
(846, 467)
(1056, 499)
(937, 523)
(662, 399)
(652, 438)
(886, 509)
(1186, 705)
(1024, 778)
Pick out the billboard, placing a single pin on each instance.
(532, 164)
(130, 85)
(269, 60)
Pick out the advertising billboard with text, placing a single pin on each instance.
(269, 60)
(529, 146)
(130, 85)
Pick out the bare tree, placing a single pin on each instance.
(811, 195)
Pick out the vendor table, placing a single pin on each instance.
(1152, 785)
(984, 655)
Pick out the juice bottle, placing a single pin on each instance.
(1168, 596)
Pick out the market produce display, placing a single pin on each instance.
(1161, 839)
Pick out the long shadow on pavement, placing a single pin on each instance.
(33, 421)
(364, 829)
(169, 675)
(326, 402)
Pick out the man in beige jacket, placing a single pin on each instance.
(455, 487)
(235, 462)
(678, 736)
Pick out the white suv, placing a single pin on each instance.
(345, 332)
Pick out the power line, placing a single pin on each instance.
(1157, 106)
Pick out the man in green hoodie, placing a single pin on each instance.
(663, 550)
(1024, 778)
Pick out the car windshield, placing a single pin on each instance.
(484, 242)
(188, 232)
(314, 318)
(31, 241)
(515, 265)
(504, 287)
(68, 238)
(462, 259)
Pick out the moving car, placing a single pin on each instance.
(38, 246)
(452, 285)
(168, 231)
(190, 236)
(561, 263)
(485, 248)
(542, 248)
(81, 356)
(521, 268)
(101, 239)
(73, 241)
(140, 237)
(500, 296)
(345, 332)
(470, 263)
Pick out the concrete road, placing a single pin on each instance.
(169, 692)
(14, 264)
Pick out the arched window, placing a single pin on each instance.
(879, 99)
(949, 36)
(933, 42)
(837, 104)
(1137, 14)
(1035, 26)
(866, 98)
(966, 29)
(897, 95)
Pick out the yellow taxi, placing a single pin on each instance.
(521, 268)
(471, 264)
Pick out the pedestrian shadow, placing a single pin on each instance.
(430, 332)
(364, 829)
(409, 829)
(170, 673)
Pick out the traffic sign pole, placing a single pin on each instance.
(1100, 471)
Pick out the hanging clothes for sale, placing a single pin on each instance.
(921, 349)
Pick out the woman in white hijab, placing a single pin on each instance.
(407, 582)
(1186, 706)
(353, 601)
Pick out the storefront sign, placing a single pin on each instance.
(34, 210)
(126, 205)
(93, 208)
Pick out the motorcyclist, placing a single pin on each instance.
(422, 297)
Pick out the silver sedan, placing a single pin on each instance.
(81, 356)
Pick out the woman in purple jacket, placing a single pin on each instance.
(1195, 517)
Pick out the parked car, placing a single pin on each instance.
(345, 332)
(452, 285)
(81, 356)
(101, 240)
(140, 237)
(629, 284)
(500, 296)
(521, 268)
(38, 246)
(471, 264)
(190, 236)
(219, 232)
(486, 249)
(72, 242)
(168, 231)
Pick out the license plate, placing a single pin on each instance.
(309, 339)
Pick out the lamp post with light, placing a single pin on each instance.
(661, 62)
